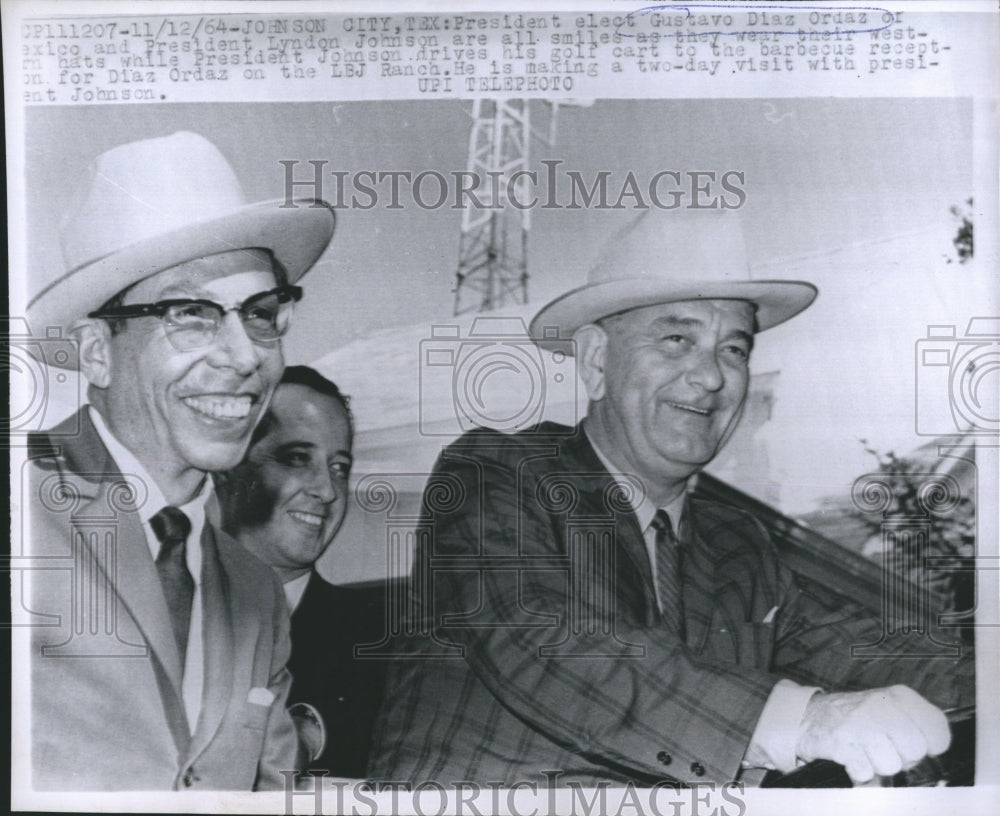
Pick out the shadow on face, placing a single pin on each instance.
(286, 501)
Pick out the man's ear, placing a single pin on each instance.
(94, 338)
(591, 342)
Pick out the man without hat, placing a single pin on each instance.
(165, 668)
(285, 503)
(582, 619)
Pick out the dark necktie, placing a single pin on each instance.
(668, 573)
(172, 528)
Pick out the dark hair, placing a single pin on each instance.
(310, 378)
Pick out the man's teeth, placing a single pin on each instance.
(221, 407)
(307, 518)
(684, 407)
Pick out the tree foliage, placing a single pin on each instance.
(963, 238)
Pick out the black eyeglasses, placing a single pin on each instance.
(193, 322)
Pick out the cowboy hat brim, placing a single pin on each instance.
(775, 300)
(296, 235)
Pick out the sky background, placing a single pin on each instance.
(819, 174)
(852, 194)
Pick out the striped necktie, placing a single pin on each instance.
(172, 528)
(668, 573)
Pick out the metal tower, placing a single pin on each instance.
(493, 249)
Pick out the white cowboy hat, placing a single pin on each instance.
(149, 205)
(665, 256)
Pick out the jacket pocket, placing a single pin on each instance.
(255, 716)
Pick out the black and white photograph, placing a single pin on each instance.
(559, 408)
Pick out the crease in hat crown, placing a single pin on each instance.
(152, 187)
(149, 205)
(665, 256)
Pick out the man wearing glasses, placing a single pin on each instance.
(167, 667)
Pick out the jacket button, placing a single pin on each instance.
(664, 758)
(697, 769)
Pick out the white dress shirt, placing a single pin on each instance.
(145, 485)
(295, 589)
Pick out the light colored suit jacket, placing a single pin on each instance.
(107, 711)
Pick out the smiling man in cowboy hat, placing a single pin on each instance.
(581, 619)
(163, 666)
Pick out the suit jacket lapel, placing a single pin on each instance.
(217, 644)
(87, 466)
(138, 585)
(717, 573)
(727, 587)
(699, 581)
(129, 566)
(579, 455)
(302, 618)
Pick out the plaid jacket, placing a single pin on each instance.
(537, 651)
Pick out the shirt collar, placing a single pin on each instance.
(295, 589)
(643, 508)
(134, 472)
(145, 486)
